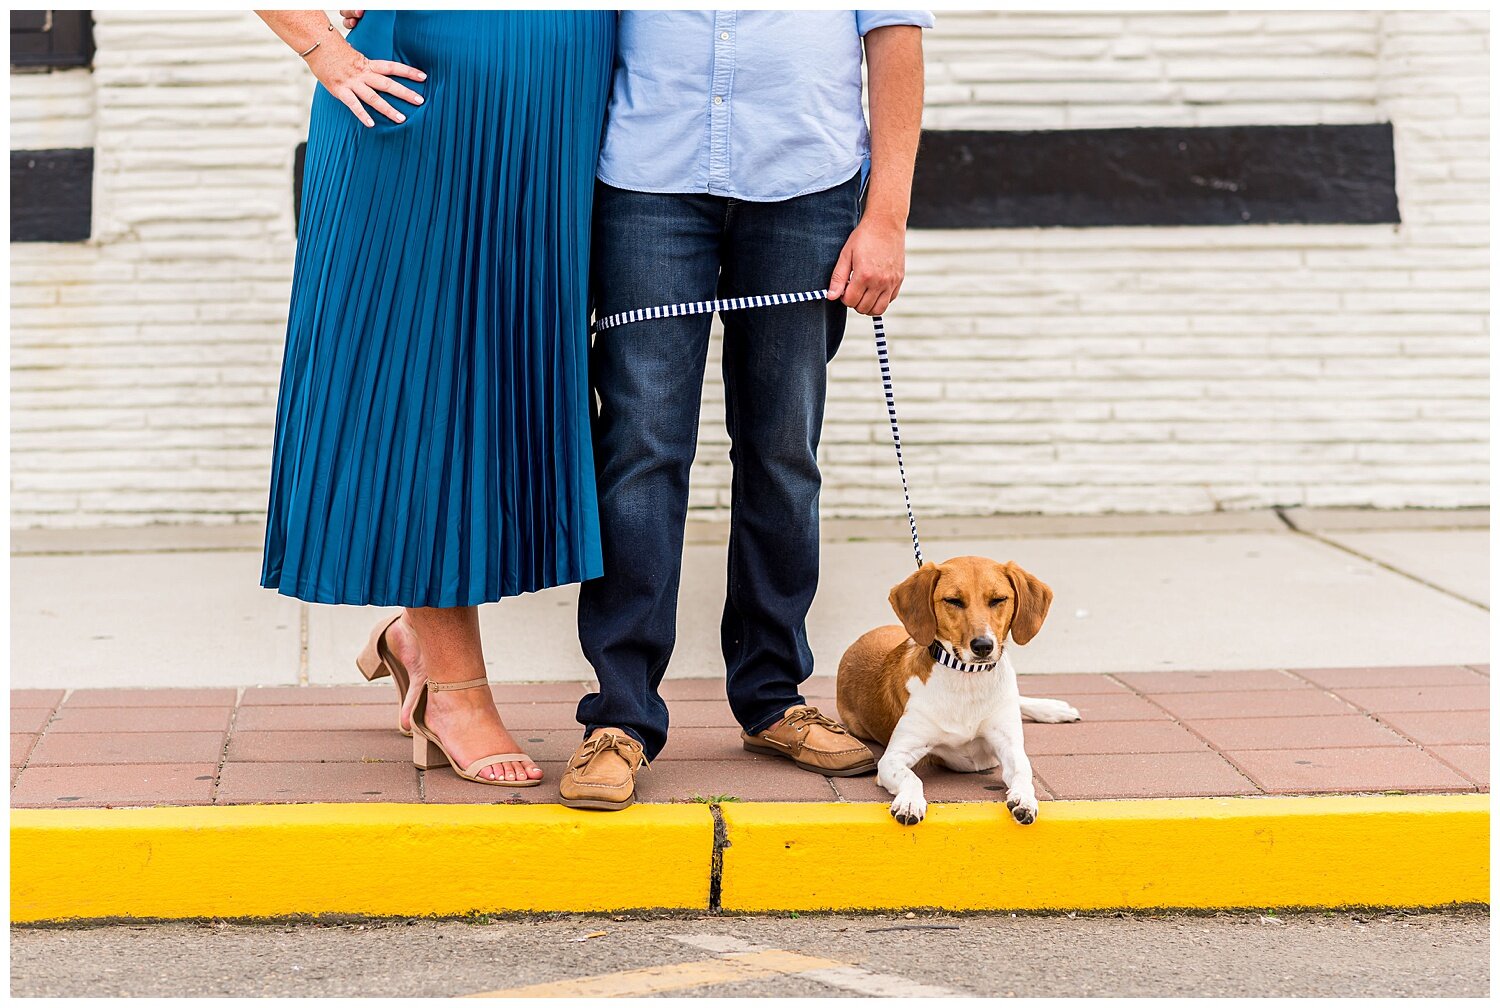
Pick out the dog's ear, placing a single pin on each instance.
(1033, 599)
(912, 600)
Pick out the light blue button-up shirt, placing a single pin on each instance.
(758, 105)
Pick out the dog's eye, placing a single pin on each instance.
(956, 603)
(996, 601)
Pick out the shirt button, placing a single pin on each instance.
(718, 100)
(724, 36)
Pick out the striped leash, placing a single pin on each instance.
(882, 352)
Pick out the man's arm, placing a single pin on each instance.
(876, 251)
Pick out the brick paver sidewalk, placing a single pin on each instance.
(1149, 734)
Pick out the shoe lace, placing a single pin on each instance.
(628, 748)
(811, 715)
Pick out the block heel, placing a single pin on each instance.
(425, 753)
(377, 661)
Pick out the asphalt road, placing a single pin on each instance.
(1247, 954)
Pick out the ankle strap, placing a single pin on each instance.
(435, 686)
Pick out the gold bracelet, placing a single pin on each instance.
(315, 45)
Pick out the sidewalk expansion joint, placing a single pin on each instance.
(1316, 537)
(213, 794)
(303, 620)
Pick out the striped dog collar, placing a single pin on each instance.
(943, 656)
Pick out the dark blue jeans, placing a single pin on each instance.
(655, 248)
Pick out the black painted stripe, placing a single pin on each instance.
(1151, 176)
(51, 195)
(51, 39)
(1156, 176)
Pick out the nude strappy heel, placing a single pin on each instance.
(377, 661)
(428, 753)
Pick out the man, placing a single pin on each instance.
(733, 163)
(735, 159)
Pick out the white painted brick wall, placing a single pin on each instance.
(1052, 370)
(51, 110)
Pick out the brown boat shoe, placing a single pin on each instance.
(813, 742)
(601, 772)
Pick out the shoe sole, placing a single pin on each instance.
(854, 771)
(597, 804)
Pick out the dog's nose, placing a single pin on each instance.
(981, 646)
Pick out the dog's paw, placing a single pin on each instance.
(1024, 810)
(1053, 711)
(908, 810)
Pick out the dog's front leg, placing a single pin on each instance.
(906, 747)
(1004, 736)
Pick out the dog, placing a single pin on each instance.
(941, 685)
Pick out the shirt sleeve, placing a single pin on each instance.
(869, 19)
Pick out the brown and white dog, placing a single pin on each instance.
(942, 685)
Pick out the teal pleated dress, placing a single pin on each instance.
(432, 430)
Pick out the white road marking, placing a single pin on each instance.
(850, 978)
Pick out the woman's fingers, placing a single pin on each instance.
(395, 88)
(390, 68)
(372, 98)
(357, 82)
(347, 97)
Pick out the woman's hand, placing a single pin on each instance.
(351, 17)
(342, 69)
(353, 79)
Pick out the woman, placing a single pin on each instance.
(432, 446)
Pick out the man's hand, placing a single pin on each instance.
(875, 255)
(351, 17)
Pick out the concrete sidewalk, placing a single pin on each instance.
(180, 607)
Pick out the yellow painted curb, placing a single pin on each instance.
(1405, 851)
(377, 860)
(428, 860)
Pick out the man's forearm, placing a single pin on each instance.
(894, 56)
